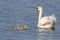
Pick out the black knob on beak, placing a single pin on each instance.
(36, 8)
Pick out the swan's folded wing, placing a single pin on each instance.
(45, 22)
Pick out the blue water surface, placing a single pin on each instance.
(22, 12)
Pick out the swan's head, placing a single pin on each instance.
(39, 8)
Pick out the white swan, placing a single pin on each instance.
(46, 21)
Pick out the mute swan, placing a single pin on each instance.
(46, 21)
(23, 27)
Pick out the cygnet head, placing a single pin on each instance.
(39, 8)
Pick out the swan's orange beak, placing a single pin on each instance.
(36, 9)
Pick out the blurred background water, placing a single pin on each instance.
(22, 12)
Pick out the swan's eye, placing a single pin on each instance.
(36, 8)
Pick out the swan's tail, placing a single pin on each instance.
(54, 17)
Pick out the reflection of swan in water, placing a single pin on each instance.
(46, 21)
(45, 35)
(23, 27)
(46, 30)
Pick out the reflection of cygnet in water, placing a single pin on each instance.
(23, 27)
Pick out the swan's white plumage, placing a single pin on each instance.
(46, 21)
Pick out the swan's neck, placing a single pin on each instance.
(40, 16)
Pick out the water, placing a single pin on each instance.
(22, 12)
